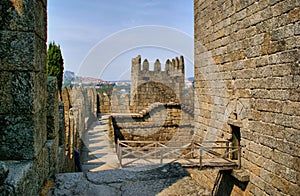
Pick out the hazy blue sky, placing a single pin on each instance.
(80, 26)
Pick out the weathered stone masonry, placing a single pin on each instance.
(148, 86)
(169, 123)
(35, 141)
(157, 105)
(247, 77)
(23, 35)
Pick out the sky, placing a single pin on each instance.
(98, 38)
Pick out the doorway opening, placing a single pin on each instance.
(236, 139)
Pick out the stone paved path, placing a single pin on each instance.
(102, 175)
(151, 180)
(99, 152)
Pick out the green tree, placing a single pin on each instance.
(55, 63)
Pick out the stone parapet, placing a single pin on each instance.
(158, 122)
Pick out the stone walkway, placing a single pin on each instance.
(102, 175)
(151, 180)
(98, 152)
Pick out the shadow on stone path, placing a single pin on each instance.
(102, 176)
(163, 180)
(98, 152)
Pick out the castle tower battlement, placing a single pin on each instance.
(172, 77)
(174, 67)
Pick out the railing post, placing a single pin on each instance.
(193, 149)
(161, 156)
(200, 158)
(239, 157)
(120, 157)
(119, 152)
(118, 146)
(227, 149)
(156, 147)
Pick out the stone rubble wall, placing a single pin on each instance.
(247, 75)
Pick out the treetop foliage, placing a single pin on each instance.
(55, 63)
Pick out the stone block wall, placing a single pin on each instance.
(80, 110)
(23, 35)
(53, 126)
(33, 136)
(247, 75)
(23, 78)
(159, 122)
(147, 87)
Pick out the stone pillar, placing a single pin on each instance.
(23, 36)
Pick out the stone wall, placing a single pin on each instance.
(247, 75)
(118, 102)
(168, 123)
(159, 110)
(147, 87)
(34, 138)
(80, 107)
(23, 146)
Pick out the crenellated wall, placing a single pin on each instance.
(148, 86)
(80, 107)
(160, 109)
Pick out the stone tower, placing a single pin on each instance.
(149, 86)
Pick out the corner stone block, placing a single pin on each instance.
(17, 137)
(22, 92)
(21, 51)
(5, 96)
(25, 16)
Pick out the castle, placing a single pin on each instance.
(246, 91)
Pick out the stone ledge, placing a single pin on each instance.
(241, 175)
(237, 123)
